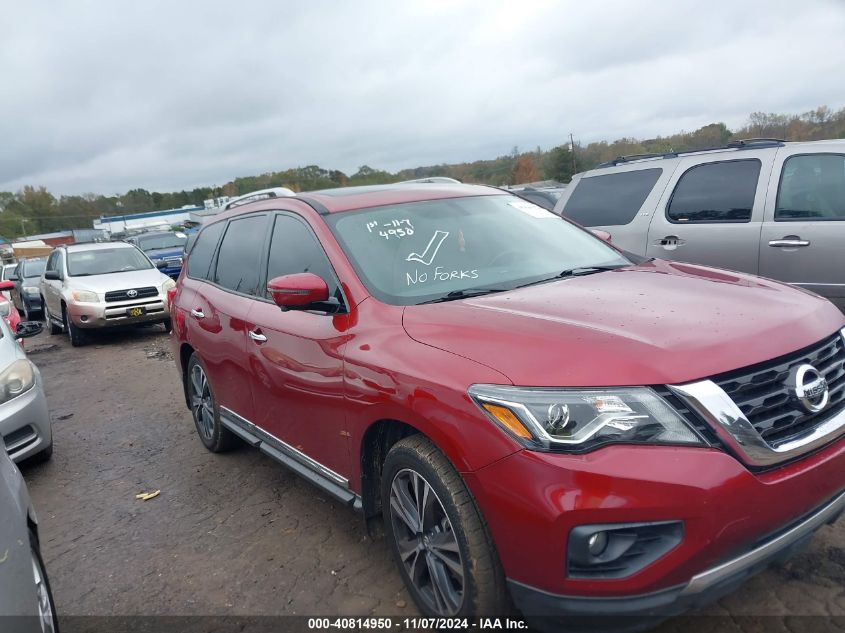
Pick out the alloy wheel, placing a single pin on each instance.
(426, 542)
(42, 592)
(202, 403)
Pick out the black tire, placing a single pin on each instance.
(78, 337)
(54, 329)
(458, 521)
(168, 325)
(46, 604)
(206, 412)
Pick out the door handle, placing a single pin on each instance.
(199, 314)
(257, 336)
(789, 243)
(670, 242)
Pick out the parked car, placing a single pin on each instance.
(164, 248)
(100, 285)
(26, 602)
(8, 310)
(762, 206)
(545, 197)
(7, 271)
(530, 410)
(24, 418)
(25, 294)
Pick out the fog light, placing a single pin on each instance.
(597, 543)
(83, 318)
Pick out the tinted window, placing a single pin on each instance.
(295, 249)
(612, 199)
(33, 267)
(203, 250)
(51, 261)
(716, 192)
(812, 187)
(239, 257)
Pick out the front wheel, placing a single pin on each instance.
(78, 337)
(46, 607)
(438, 536)
(168, 325)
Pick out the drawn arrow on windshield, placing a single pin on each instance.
(430, 251)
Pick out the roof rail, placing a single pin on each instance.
(431, 179)
(261, 194)
(749, 143)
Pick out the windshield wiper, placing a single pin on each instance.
(588, 270)
(464, 294)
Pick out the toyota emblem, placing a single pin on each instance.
(132, 293)
(809, 387)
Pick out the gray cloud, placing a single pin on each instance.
(106, 95)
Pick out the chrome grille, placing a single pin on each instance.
(122, 295)
(761, 393)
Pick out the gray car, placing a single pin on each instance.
(100, 285)
(24, 418)
(761, 206)
(26, 602)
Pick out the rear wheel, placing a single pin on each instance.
(205, 410)
(54, 329)
(437, 534)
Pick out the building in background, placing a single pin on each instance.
(162, 220)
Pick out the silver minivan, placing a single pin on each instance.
(761, 206)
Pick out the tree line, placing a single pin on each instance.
(34, 209)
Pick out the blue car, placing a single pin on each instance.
(164, 248)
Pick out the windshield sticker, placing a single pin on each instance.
(394, 228)
(529, 208)
(430, 252)
(439, 274)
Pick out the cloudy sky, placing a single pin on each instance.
(103, 96)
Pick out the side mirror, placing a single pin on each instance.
(7, 285)
(602, 235)
(26, 329)
(299, 291)
(52, 274)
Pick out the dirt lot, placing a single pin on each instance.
(237, 534)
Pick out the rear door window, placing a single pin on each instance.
(812, 187)
(612, 199)
(199, 258)
(239, 258)
(715, 193)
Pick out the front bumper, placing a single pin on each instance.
(532, 501)
(100, 315)
(25, 423)
(704, 588)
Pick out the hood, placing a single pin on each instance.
(656, 323)
(119, 281)
(164, 253)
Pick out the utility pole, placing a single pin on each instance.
(572, 151)
(23, 228)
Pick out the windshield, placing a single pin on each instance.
(415, 252)
(33, 267)
(103, 261)
(155, 242)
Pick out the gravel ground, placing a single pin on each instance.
(238, 535)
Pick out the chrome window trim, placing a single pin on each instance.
(711, 402)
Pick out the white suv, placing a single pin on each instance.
(761, 206)
(97, 285)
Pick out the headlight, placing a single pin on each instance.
(84, 296)
(583, 419)
(167, 285)
(16, 379)
(31, 290)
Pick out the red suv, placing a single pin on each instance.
(540, 418)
